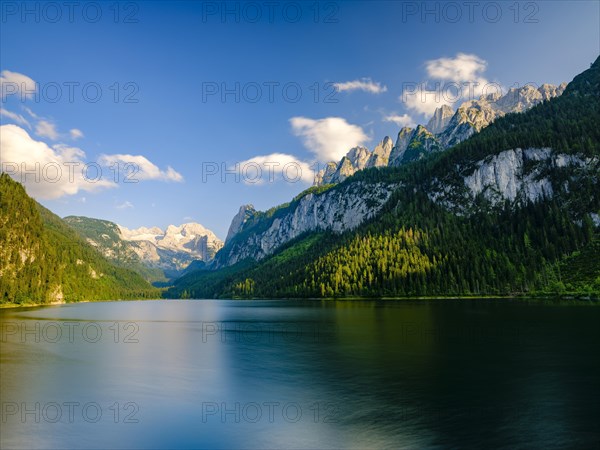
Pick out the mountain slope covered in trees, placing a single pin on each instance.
(106, 238)
(43, 260)
(442, 234)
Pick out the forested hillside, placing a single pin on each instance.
(426, 243)
(106, 238)
(43, 260)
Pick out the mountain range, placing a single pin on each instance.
(498, 213)
(445, 129)
(499, 197)
(44, 260)
(158, 255)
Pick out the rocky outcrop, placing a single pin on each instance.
(245, 213)
(338, 210)
(440, 120)
(381, 154)
(166, 252)
(517, 176)
(175, 248)
(445, 129)
(358, 158)
(420, 144)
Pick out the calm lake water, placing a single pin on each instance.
(290, 374)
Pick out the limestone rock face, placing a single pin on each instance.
(245, 213)
(337, 210)
(404, 137)
(445, 129)
(358, 158)
(381, 154)
(175, 248)
(440, 120)
(517, 176)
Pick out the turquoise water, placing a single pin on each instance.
(290, 374)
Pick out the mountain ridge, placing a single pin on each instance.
(157, 254)
(494, 215)
(444, 129)
(43, 260)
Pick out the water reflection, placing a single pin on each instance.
(282, 374)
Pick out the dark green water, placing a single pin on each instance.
(289, 374)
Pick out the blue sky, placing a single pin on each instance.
(165, 56)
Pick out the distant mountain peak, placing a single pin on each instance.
(440, 120)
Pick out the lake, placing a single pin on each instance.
(301, 374)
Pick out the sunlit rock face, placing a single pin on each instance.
(337, 210)
(518, 176)
(445, 129)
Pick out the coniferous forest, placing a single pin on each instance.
(43, 260)
(415, 247)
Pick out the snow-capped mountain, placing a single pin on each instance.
(176, 247)
(154, 253)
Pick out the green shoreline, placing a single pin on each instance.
(595, 298)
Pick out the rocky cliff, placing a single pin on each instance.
(445, 129)
(338, 209)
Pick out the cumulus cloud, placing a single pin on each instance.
(403, 120)
(14, 83)
(452, 80)
(46, 172)
(18, 118)
(365, 84)
(50, 172)
(76, 134)
(272, 168)
(329, 139)
(138, 167)
(46, 129)
(463, 67)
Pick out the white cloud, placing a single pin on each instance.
(124, 205)
(365, 84)
(18, 118)
(76, 134)
(138, 167)
(462, 67)
(402, 121)
(50, 172)
(14, 83)
(46, 129)
(30, 112)
(328, 139)
(455, 80)
(274, 167)
(424, 101)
